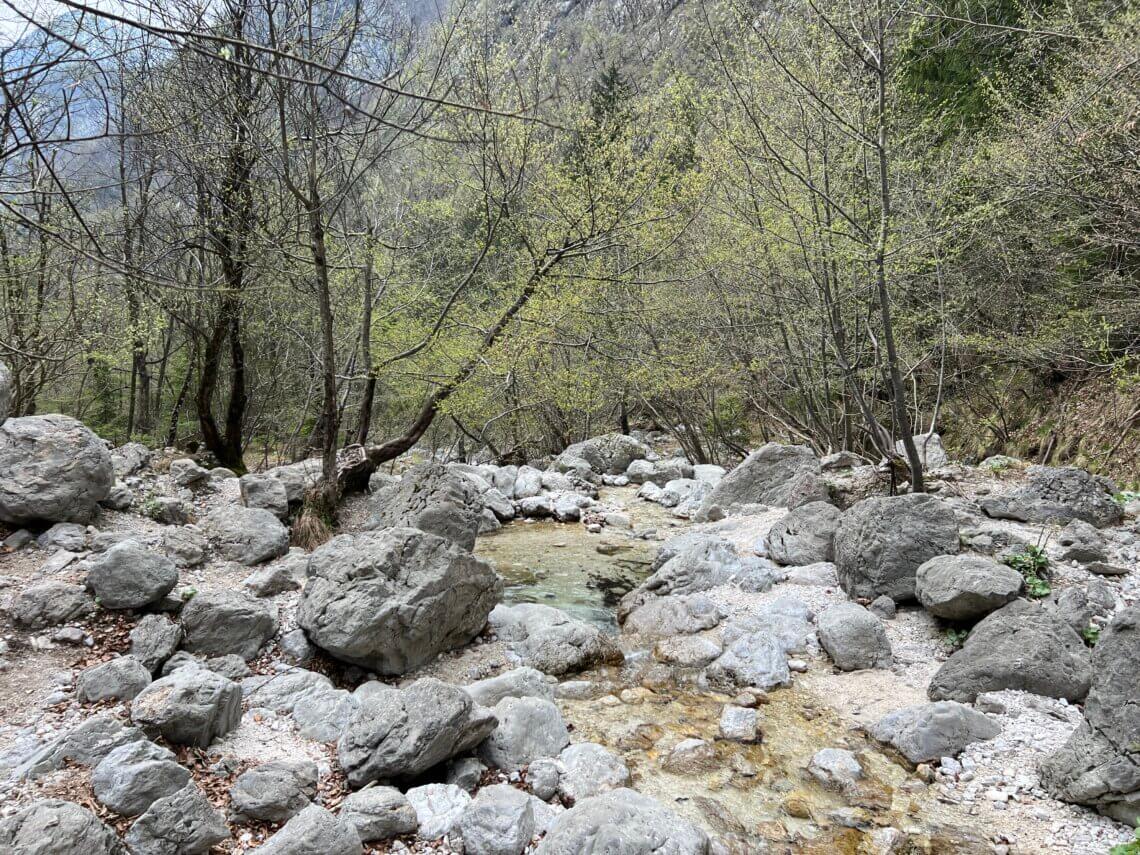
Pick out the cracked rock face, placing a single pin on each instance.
(1057, 495)
(1100, 765)
(431, 498)
(392, 600)
(767, 476)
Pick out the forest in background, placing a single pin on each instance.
(281, 228)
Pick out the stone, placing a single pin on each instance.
(659, 472)
(52, 469)
(930, 450)
(527, 728)
(765, 477)
(134, 776)
(926, 732)
(805, 489)
(551, 641)
(86, 744)
(119, 498)
(500, 821)
(183, 823)
(881, 542)
(516, 683)
(841, 460)
(755, 659)
(392, 600)
(528, 483)
(379, 813)
(168, 510)
(130, 459)
(50, 604)
(1100, 764)
(965, 587)
(1023, 645)
(185, 472)
(622, 822)
(153, 640)
(295, 645)
(297, 477)
(836, 768)
(281, 691)
(190, 706)
(739, 724)
(587, 769)
(1055, 495)
(673, 615)
(130, 576)
(805, 535)
(69, 536)
(853, 637)
(541, 777)
(222, 621)
(822, 575)
(118, 679)
(1103, 568)
(1082, 542)
(690, 757)
(323, 716)
(247, 535)
(56, 827)
(266, 492)
(609, 454)
(275, 791)
(438, 808)
(314, 831)
(403, 733)
(184, 544)
(431, 498)
(883, 607)
(687, 651)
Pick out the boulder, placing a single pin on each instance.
(673, 615)
(765, 478)
(403, 733)
(190, 706)
(1055, 495)
(609, 454)
(379, 813)
(687, 651)
(622, 822)
(965, 587)
(134, 776)
(836, 768)
(853, 637)
(467, 773)
(52, 469)
(659, 472)
(756, 659)
(130, 576)
(50, 604)
(323, 716)
(500, 821)
(1024, 645)
(183, 823)
(528, 483)
(130, 459)
(392, 600)
(265, 491)
(297, 477)
(247, 535)
(69, 536)
(119, 498)
(275, 791)
(314, 831)
(841, 460)
(184, 544)
(528, 728)
(1100, 764)
(431, 498)
(739, 724)
(154, 640)
(930, 450)
(56, 827)
(277, 578)
(805, 535)
(185, 472)
(438, 808)
(516, 683)
(926, 732)
(223, 621)
(1082, 542)
(881, 542)
(805, 489)
(587, 769)
(550, 640)
(86, 744)
(118, 679)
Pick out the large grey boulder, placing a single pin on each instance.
(930, 450)
(434, 499)
(438, 808)
(184, 544)
(853, 637)
(756, 659)
(673, 615)
(500, 821)
(314, 831)
(927, 732)
(86, 744)
(965, 587)
(403, 733)
(297, 477)
(275, 791)
(379, 813)
(6, 392)
(130, 576)
(805, 535)
(189, 706)
(765, 477)
(550, 640)
(52, 469)
(527, 729)
(247, 535)
(154, 640)
(134, 776)
(1100, 764)
(50, 604)
(517, 683)
(183, 823)
(609, 454)
(587, 769)
(391, 600)
(1055, 495)
(622, 822)
(1082, 542)
(264, 491)
(223, 621)
(659, 472)
(117, 679)
(56, 827)
(130, 459)
(1023, 645)
(881, 542)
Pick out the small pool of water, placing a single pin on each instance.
(561, 565)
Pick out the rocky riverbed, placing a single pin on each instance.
(620, 645)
